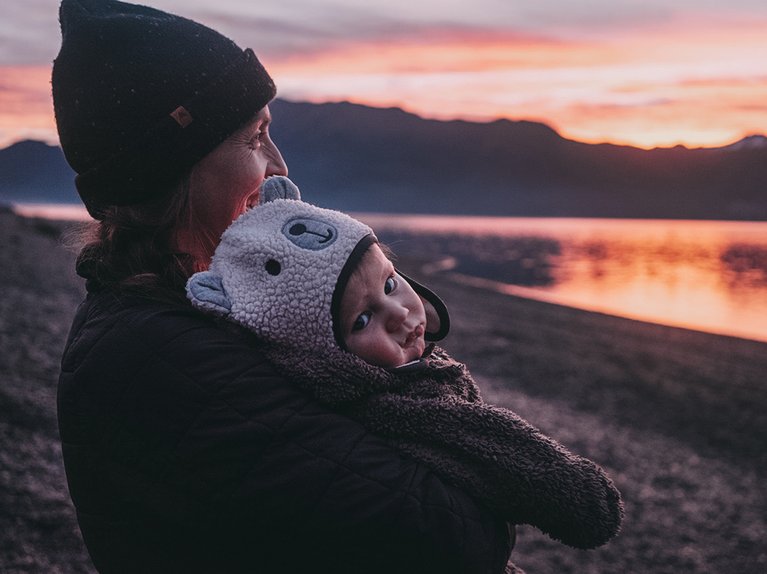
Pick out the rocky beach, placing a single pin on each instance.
(678, 418)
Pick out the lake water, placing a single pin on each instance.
(704, 275)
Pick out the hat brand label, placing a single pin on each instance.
(182, 116)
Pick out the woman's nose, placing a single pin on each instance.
(277, 165)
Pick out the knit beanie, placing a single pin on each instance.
(141, 95)
(281, 269)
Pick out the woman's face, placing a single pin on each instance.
(227, 181)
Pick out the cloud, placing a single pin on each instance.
(728, 80)
(29, 32)
(650, 66)
(23, 84)
(281, 38)
(26, 110)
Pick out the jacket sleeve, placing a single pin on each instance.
(494, 454)
(194, 431)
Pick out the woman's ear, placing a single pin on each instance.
(206, 292)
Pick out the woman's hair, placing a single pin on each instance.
(134, 248)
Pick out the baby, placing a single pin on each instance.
(381, 319)
(335, 315)
(317, 279)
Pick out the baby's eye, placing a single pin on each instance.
(390, 285)
(362, 321)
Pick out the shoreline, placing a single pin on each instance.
(533, 294)
(676, 417)
(74, 213)
(48, 211)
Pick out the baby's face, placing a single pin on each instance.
(383, 320)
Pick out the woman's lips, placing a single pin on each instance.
(252, 200)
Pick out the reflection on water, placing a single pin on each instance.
(704, 275)
(745, 265)
(63, 212)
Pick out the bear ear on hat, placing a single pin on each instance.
(278, 187)
(206, 291)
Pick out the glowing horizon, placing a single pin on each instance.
(648, 80)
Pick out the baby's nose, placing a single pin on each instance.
(397, 316)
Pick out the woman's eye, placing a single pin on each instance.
(362, 321)
(390, 284)
(256, 140)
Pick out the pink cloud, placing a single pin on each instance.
(26, 109)
(698, 80)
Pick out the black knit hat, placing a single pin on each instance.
(141, 95)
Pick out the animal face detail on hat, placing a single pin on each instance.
(281, 265)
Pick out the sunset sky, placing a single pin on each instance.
(642, 72)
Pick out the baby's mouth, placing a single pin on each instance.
(414, 336)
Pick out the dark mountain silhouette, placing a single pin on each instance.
(35, 172)
(359, 158)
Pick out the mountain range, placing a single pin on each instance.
(358, 158)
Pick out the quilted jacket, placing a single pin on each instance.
(185, 451)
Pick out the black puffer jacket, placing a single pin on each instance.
(186, 452)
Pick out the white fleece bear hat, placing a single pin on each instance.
(281, 268)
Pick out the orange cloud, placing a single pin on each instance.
(444, 51)
(693, 81)
(690, 81)
(26, 109)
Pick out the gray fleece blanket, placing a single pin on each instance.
(433, 411)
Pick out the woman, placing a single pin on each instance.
(184, 450)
